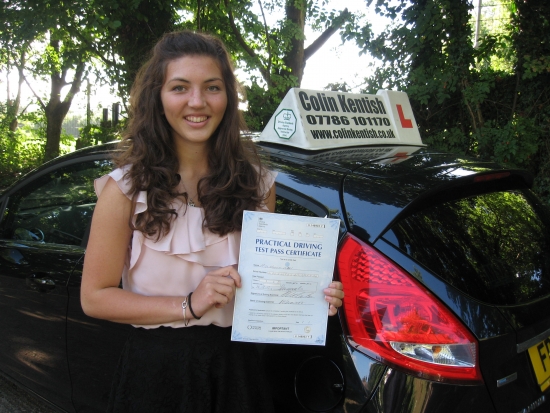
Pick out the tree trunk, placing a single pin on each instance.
(57, 109)
(294, 60)
(13, 106)
(55, 114)
(137, 35)
(17, 102)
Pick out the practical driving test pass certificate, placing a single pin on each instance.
(285, 263)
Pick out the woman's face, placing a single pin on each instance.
(194, 98)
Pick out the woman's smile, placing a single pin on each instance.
(196, 119)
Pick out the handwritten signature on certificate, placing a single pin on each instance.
(285, 263)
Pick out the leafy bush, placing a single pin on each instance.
(95, 134)
(21, 150)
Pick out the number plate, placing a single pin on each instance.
(540, 359)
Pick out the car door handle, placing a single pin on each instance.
(39, 284)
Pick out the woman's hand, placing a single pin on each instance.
(216, 289)
(334, 295)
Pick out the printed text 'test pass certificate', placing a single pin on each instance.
(285, 263)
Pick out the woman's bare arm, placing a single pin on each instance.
(101, 296)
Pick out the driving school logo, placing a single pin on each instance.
(285, 124)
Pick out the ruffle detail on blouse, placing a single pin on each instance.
(124, 185)
(187, 239)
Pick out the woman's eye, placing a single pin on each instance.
(178, 88)
(214, 88)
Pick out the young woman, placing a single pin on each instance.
(167, 223)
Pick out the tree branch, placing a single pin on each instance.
(268, 45)
(75, 84)
(237, 33)
(199, 15)
(34, 93)
(465, 86)
(322, 39)
(25, 108)
(514, 103)
(92, 48)
(62, 77)
(243, 43)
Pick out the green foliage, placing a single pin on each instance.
(492, 101)
(263, 103)
(261, 106)
(96, 134)
(495, 45)
(22, 150)
(449, 140)
(514, 143)
(124, 32)
(534, 67)
(58, 46)
(542, 158)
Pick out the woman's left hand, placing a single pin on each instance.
(334, 295)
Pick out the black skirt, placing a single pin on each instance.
(194, 370)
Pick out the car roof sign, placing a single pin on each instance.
(314, 120)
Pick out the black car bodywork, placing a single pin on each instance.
(425, 211)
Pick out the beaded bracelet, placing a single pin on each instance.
(191, 308)
(184, 306)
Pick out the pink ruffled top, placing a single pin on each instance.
(175, 265)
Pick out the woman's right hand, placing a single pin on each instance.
(216, 289)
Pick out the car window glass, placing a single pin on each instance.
(55, 208)
(286, 206)
(491, 246)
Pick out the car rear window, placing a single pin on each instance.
(493, 246)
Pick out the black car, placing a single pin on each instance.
(445, 263)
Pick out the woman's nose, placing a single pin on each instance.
(196, 99)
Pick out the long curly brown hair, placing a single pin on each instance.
(233, 183)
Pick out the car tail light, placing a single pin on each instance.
(491, 177)
(393, 318)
